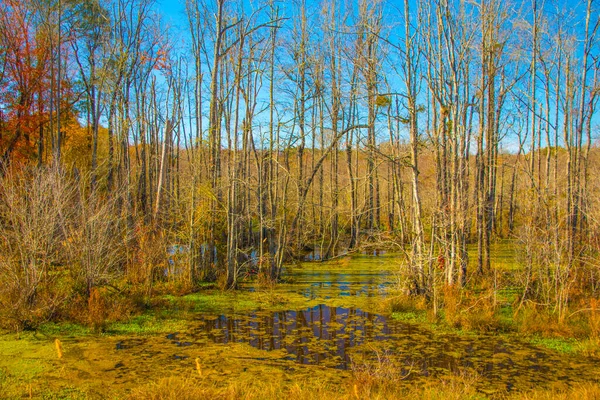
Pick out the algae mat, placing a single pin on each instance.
(318, 327)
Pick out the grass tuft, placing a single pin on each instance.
(59, 348)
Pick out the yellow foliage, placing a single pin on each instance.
(78, 142)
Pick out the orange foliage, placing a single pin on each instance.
(26, 80)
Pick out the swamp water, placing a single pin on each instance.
(324, 323)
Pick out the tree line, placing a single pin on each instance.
(255, 131)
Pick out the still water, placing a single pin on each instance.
(339, 333)
(335, 325)
(318, 335)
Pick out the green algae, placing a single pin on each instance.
(63, 329)
(212, 301)
(178, 339)
(146, 324)
(414, 317)
(561, 345)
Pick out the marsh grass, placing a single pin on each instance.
(4, 383)
(97, 311)
(581, 323)
(361, 386)
(534, 319)
(401, 303)
(178, 388)
(69, 392)
(147, 324)
(588, 347)
(461, 309)
(482, 306)
(365, 384)
(59, 348)
(580, 392)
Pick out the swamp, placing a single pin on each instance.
(306, 199)
(328, 331)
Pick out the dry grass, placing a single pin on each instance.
(580, 392)
(581, 322)
(401, 302)
(97, 311)
(387, 380)
(361, 388)
(462, 309)
(534, 319)
(202, 388)
(365, 386)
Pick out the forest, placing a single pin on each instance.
(143, 161)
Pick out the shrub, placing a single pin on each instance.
(97, 240)
(35, 207)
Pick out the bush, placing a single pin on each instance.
(466, 310)
(35, 207)
(57, 243)
(97, 240)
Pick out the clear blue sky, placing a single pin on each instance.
(173, 13)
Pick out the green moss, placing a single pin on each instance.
(416, 317)
(68, 329)
(212, 301)
(147, 324)
(562, 345)
(67, 393)
(134, 352)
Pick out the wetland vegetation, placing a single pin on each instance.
(335, 329)
(299, 199)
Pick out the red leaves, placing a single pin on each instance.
(25, 79)
(29, 81)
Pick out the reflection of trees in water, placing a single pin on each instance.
(311, 335)
(346, 337)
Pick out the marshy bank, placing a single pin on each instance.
(337, 329)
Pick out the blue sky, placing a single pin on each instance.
(173, 12)
(173, 15)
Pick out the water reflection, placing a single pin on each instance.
(350, 276)
(316, 254)
(347, 337)
(318, 335)
(374, 252)
(343, 338)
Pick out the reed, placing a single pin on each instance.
(59, 348)
(198, 367)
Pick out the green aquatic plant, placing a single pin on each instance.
(415, 317)
(213, 344)
(63, 329)
(562, 345)
(147, 324)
